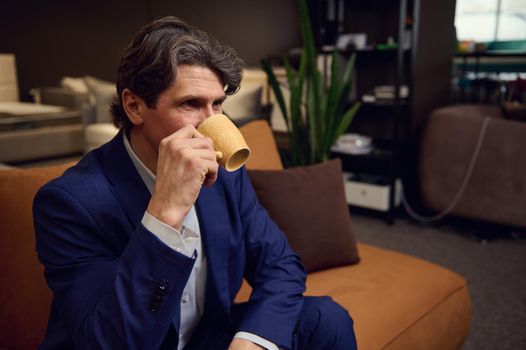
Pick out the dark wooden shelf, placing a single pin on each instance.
(378, 162)
(366, 51)
(502, 53)
(390, 103)
(384, 120)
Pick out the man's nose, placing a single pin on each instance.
(210, 111)
(205, 113)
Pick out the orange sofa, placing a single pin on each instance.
(397, 301)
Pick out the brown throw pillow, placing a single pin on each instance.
(308, 204)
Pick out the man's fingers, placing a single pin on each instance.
(202, 153)
(192, 146)
(198, 134)
(187, 137)
(206, 170)
(186, 132)
(200, 143)
(204, 163)
(211, 175)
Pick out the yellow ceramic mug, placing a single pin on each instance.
(231, 148)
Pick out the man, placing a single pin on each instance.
(140, 255)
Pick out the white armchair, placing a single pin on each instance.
(30, 131)
(8, 81)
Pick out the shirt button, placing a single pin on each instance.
(186, 298)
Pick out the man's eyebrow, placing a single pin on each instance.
(198, 98)
(188, 97)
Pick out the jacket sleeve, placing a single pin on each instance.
(273, 270)
(107, 296)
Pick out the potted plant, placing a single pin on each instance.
(318, 113)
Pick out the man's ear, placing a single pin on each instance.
(133, 106)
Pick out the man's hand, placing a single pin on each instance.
(242, 344)
(186, 161)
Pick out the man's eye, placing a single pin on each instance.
(189, 104)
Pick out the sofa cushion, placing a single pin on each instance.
(24, 296)
(264, 152)
(398, 301)
(77, 85)
(104, 93)
(308, 204)
(44, 142)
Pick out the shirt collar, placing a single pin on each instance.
(146, 174)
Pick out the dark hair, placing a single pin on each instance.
(149, 63)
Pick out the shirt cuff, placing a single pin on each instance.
(256, 339)
(184, 241)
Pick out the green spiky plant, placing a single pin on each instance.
(317, 114)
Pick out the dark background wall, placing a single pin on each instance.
(52, 39)
(432, 61)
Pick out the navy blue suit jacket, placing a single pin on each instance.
(117, 286)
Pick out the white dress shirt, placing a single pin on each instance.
(188, 242)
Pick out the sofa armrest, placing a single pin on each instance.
(59, 96)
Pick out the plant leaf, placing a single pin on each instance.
(332, 103)
(306, 33)
(318, 113)
(274, 84)
(311, 56)
(295, 95)
(296, 120)
(346, 83)
(312, 119)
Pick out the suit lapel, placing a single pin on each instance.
(133, 196)
(212, 213)
(126, 182)
(215, 231)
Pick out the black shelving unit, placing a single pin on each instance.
(387, 121)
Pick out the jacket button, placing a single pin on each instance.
(155, 306)
(163, 284)
(160, 291)
(162, 288)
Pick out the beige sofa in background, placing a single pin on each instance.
(31, 131)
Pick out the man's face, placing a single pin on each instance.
(196, 94)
